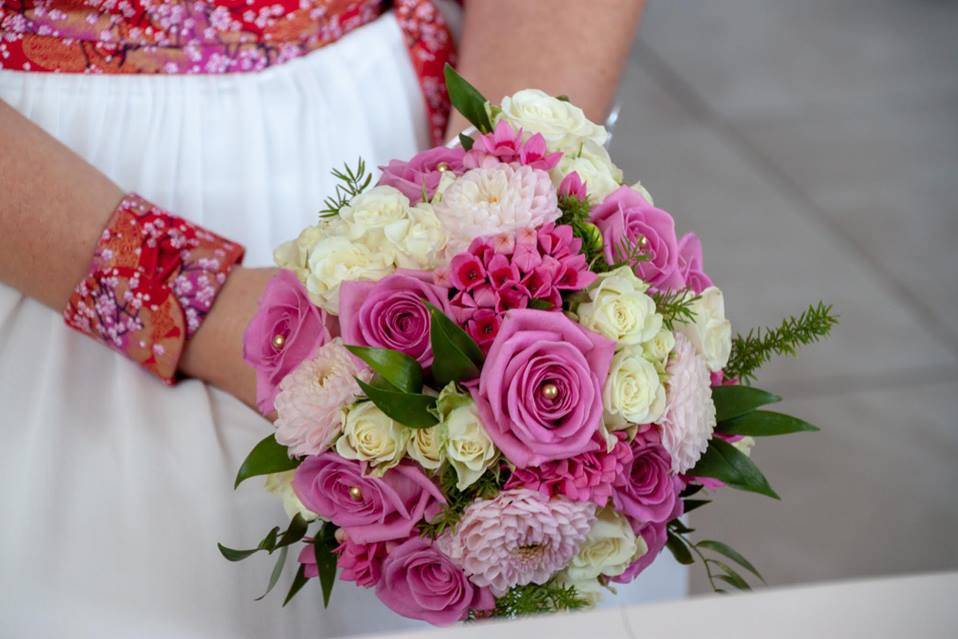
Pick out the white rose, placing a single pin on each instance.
(588, 590)
(425, 446)
(333, 260)
(417, 239)
(644, 192)
(745, 445)
(294, 254)
(281, 485)
(658, 348)
(370, 435)
(595, 168)
(467, 447)
(633, 392)
(608, 549)
(710, 333)
(562, 124)
(619, 308)
(375, 209)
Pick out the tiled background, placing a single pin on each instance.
(813, 145)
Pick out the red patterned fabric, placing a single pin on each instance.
(152, 281)
(211, 36)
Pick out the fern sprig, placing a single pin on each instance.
(532, 599)
(675, 306)
(352, 183)
(751, 351)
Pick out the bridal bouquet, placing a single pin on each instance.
(500, 378)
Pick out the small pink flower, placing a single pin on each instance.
(519, 537)
(505, 145)
(466, 272)
(572, 186)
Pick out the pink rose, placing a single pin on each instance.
(390, 313)
(647, 491)
(369, 509)
(420, 582)
(655, 536)
(422, 171)
(624, 217)
(540, 391)
(286, 330)
(690, 263)
(359, 563)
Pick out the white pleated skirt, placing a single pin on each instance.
(115, 489)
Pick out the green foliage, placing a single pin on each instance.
(764, 423)
(456, 357)
(725, 462)
(352, 183)
(751, 351)
(277, 571)
(266, 458)
(414, 410)
(629, 252)
(466, 143)
(533, 599)
(575, 213)
(399, 369)
(717, 570)
(325, 544)
(271, 542)
(467, 99)
(735, 401)
(675, 306)
(486, 487)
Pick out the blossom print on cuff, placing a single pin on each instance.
(152, 281)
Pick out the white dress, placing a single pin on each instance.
(114, 489)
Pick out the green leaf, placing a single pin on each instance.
(467, 99)
(734, 579)
(733, 401)
(298, 582)
(268, 544)
(764, 423)
(691, 489)
(677, 525)
(731, 553)
(409, 409)
(455, 356)
(399, 369)
(723, 461)
(324, 544)
(693, 504)
(295, 532)
(266, 458)
(466, 141)
(542, 305)
(679, 550)
(277, 571)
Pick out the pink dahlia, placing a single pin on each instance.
(520, 537)
(311, 398)
(496, 199)
(690, 414)
(585, 477)
(505, 144)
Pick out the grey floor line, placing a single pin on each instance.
(685, 93)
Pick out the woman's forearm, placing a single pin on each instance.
(564, 47)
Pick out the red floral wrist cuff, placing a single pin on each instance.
(152, 281)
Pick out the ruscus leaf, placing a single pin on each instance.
(679, 550)
(764, 423)
(723, 461)
(409, 409)
(467, 99)
(399, 369)
(456, 357)
(324, 544)
(266, 458)
(731, 553)
(734, 401)
(277, 572)
(694, 504)
(298, 582)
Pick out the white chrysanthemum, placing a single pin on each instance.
(690, 415)
(492, 200)
(311, 398)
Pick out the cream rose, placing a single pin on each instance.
(294, 254)
(644, 192)
(658, 348)
(561, 123)
(417, 239)
(608, 549)
(374, 210)
(710, 333)
(333, 260)
(371, 436)
(633, 392)
(619, 308)
(281, 485)
(467, 447)
(595, 168)
(425, 446)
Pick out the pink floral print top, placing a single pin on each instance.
(211, 36)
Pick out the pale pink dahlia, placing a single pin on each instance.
(690, 414)
(520, 537)
(496, 199)
(311, 399)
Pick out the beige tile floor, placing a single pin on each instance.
(814, 147)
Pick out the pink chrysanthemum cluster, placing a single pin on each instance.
(527, 268)
(518, 538)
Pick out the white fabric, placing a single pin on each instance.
(115, 489)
